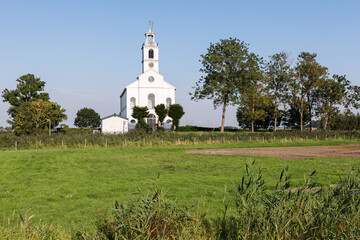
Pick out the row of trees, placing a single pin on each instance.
(274, 89)
(175, 111)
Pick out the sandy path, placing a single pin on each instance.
(293, 153)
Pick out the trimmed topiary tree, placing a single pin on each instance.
(140, 113)
(176, 112)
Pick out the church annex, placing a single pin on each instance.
(150, 88)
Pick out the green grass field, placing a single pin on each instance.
(62, 186)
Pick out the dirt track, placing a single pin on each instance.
(292, 153)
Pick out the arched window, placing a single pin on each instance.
(132, 102)
(168, 102)
(151, 101)
(151, 53)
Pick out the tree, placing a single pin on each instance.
(308, 74)
(176, 112)
(161, 112)
(27, 90)
(140, 113)
(87, 117)
(278, 79)
(332, 92)
(254, 98)
(226, 66)
(267, 123)
(34, 116)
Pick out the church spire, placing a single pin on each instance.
(150, 51)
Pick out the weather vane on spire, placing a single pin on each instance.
(151, 24)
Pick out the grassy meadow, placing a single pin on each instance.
(69, 185)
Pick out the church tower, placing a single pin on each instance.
(150, 52)
(150, 88)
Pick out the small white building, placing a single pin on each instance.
(150, 88)
(114, 124)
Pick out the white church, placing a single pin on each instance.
(149, 89)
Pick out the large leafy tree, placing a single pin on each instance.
(33, 117)
(161, 111)
(226, 66)
(87, 117)
(278, 79)
(308, 75)
(332, 92)
(29, 88)
(140, 113)
(176, 112)
(254, 98)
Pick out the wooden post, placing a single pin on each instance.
(85, 143)
(15, 145)
(105, 142)
(250, 139)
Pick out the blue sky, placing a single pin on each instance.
(88, 51)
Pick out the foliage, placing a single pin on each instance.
(148, 216)
(254, 99)
(140, 113)
(24, 229)
(226, 65)
(87, 118)
(278, 76)
(176, 112)
(345, 121)
(27, 90)
(307, 212)
(161, 112)
(308, 75)
(34, 116)
(267, 123)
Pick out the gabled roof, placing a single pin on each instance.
(114, 115)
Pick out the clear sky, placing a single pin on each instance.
(87, 51)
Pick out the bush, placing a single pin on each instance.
(149, 216)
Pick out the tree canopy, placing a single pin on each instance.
(33, 117)
(87, 118)
(161, 111)
(29, 88)
(226, 66)
(176, 112)
(30, 108)
(140, 113)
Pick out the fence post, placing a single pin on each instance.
(62, 143)
(85, 143)
(15, 145)
(250, 138)
(105, 142)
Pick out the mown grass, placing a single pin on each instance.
(61, 186)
